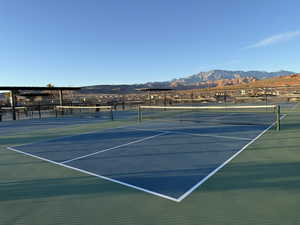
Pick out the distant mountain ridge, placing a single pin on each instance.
(214, 75)
(213, 78)
(287, 81)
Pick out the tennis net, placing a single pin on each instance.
(234, 115)
(85, 111)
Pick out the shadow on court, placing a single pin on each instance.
(237, 176)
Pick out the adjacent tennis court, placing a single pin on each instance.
(163, 158)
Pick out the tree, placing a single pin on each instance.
(50, 85)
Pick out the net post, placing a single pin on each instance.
(62, 112)
(26, 112)
(123, 102)
(97, 109)
(111, 114)
(278, 117)
(139, 114)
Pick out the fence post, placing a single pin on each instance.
(139, 114)
(56, 112)
(111, 114)
(39, 110)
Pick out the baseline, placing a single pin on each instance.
(95, 175)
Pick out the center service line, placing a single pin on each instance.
(119, 146)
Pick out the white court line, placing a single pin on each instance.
(119, 146)
(95, 175)
(216, 136)
(201, 135)
(294, 107)
(223, 164)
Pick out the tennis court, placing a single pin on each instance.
(166, 159)
(261, 184)
(68, 118)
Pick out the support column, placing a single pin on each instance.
(149, 97)
(61, 101)
(13, 103)
(123, 102)
(61, 98)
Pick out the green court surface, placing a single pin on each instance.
(260, 186)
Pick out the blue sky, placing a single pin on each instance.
(76, 42)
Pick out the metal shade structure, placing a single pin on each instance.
(15, 89)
